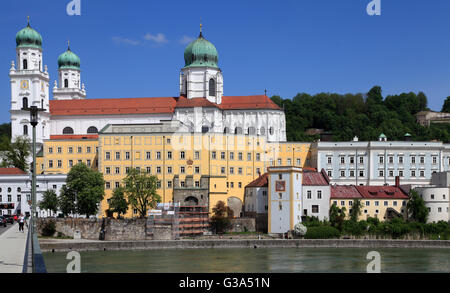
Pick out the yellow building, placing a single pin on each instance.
(382, 202)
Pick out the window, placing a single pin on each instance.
(169, 155)
(92, 129)
(391, 160)
(400, 173)
(386, 204)
(59, 150)
(108, 170)
(25, 130)
(68, 130)
(50, 164)
(422, 173)
(169, 170)
(50, 150)
(432, 196)
(377, 203)
(240, 171)
(434, 160)
(342, 173)
(222, 155)
(212, 87)
(213, 155)
(108, 185)
(117, 170)
(280, 162)
(249, 156)
(88, 150)
(240, 156)
(149, 170)
(400, 160)
(169, 184)
(222, 170)
(70, 163)
(182, 155)
(158, 155)
(231, 155)
(319, 194)
(79, 150)
(413, 160)
(315, 209)
(350, 202)
(367, 203)
(299, 162)
(391, 173)
(352, 160)
(197, 155)
(127, 170)
(289, 162)
(342, 160)
(330, 174)
(127, 155)
(107, 155)
(381, 160)
(25, 64)
(66, 83)
(395, 203)
(25, 103)
(148, 155)
(280, 206)
(361, 160)
(329, 160)
(422, 160)
(158, 170)
(59, 163)
(380, 173)
(231, 170)
(361, 173)
(308, 193)
(197, 170)
(117, 184)
(182, 170)
(258, 156)
(413, 173)
(439, 209)
(352, 173)
(197, 184)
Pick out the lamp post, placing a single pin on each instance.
(34, 110)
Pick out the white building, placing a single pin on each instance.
(436, 197)
(201, 104)
(15, 190)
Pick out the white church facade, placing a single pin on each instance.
(201, 104)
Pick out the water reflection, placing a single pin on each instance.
(261, 260)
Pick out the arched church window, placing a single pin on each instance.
(271, 130)
(251, 130)
(262, 131)
(226, 130)
(92, 129)
(25, 130)
(205, 129)
(68, 130)
(66, 83)
(212, 87)
(25, 64)
(25, 103)
(238, 130)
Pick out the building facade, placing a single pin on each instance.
(436, 197)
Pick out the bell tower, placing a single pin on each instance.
(29, 86)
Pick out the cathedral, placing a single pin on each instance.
(201, 105)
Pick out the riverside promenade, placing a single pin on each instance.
(12, 249)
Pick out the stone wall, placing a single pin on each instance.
(243, 225)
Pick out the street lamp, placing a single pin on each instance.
(34, 110)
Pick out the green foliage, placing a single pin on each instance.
(221, 220)
(355, 228)
(355, 212)
(118, 203)
(417, 210)
(322, 232)
(49, 201)
(366, 116)
(66, 201)
(49, 229)
(446, 106)
(88, 188)
(140, 190)
(337, 216)
(15, 154)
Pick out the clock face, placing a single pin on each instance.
(24, 84)
(280, 185)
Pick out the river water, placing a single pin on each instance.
(261, 260)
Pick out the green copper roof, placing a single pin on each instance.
(28, 37)
(201, 53)
(382, 136)
(69, 60)
(407, 134)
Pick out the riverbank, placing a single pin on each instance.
(63, 245)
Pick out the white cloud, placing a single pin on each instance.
(186, 40)
(158, 38)
(120, 40)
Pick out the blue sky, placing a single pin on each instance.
(135, 48)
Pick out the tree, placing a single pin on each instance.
(221, 220)
(88, 188)
(446, 106)
(66, 201)
(337, 216)
(355, 211)
(15, 154)
(49, 201)
(140, 190)
(417, 210)
(118, 203)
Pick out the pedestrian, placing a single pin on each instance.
(21, 222)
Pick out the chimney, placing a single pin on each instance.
(397, 181)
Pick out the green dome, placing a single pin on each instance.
(201, 53)
(28, 37)
(68, 60)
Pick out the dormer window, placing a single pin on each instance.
(212, 87)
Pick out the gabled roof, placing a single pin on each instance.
(11, 171)
(261, 181)
(162, 105)
(73, 136)
(382, 192)
(344, 192)
(112, 106)
(315, 178)
(248, 102)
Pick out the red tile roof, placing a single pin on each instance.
(344, 191)
(112, 106)
(315, 178)
(154, 105)
(72, 136)
(11, 171)
(248, 102)
(385, 192)
(261, 181)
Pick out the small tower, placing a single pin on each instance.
(69, 73)
(201, 77)
(29, 86)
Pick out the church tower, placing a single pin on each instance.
(29, 86)
(69, 74)
(201, 77)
